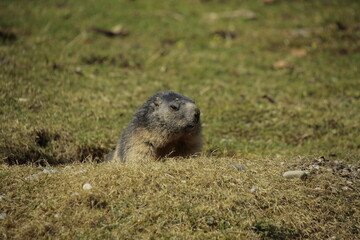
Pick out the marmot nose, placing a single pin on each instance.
(197, 116)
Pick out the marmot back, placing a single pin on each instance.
(166, 125)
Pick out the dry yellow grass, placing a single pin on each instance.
(198, 198)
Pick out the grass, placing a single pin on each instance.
(277, 91)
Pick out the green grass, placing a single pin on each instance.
(271, 99)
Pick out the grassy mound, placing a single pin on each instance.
(197, 198)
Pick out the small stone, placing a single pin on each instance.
(294, 174)
(163, 69)
(87, 186)
(344, 172)
(49, 171)
(78, 70)
(252, 190)
(80, 171)
(210, 221)
(23, 99)
(315, 166)
(225, 140)
(32, 177)
(317, 188)
(240, 13)
(240, 167)
(300, 32)
(2, 216)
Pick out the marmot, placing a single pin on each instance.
(166, 125)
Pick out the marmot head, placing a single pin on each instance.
(174, 113)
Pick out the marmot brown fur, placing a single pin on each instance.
(166, 125)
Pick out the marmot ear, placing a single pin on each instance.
(157, 102)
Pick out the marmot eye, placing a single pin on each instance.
(174, 107)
